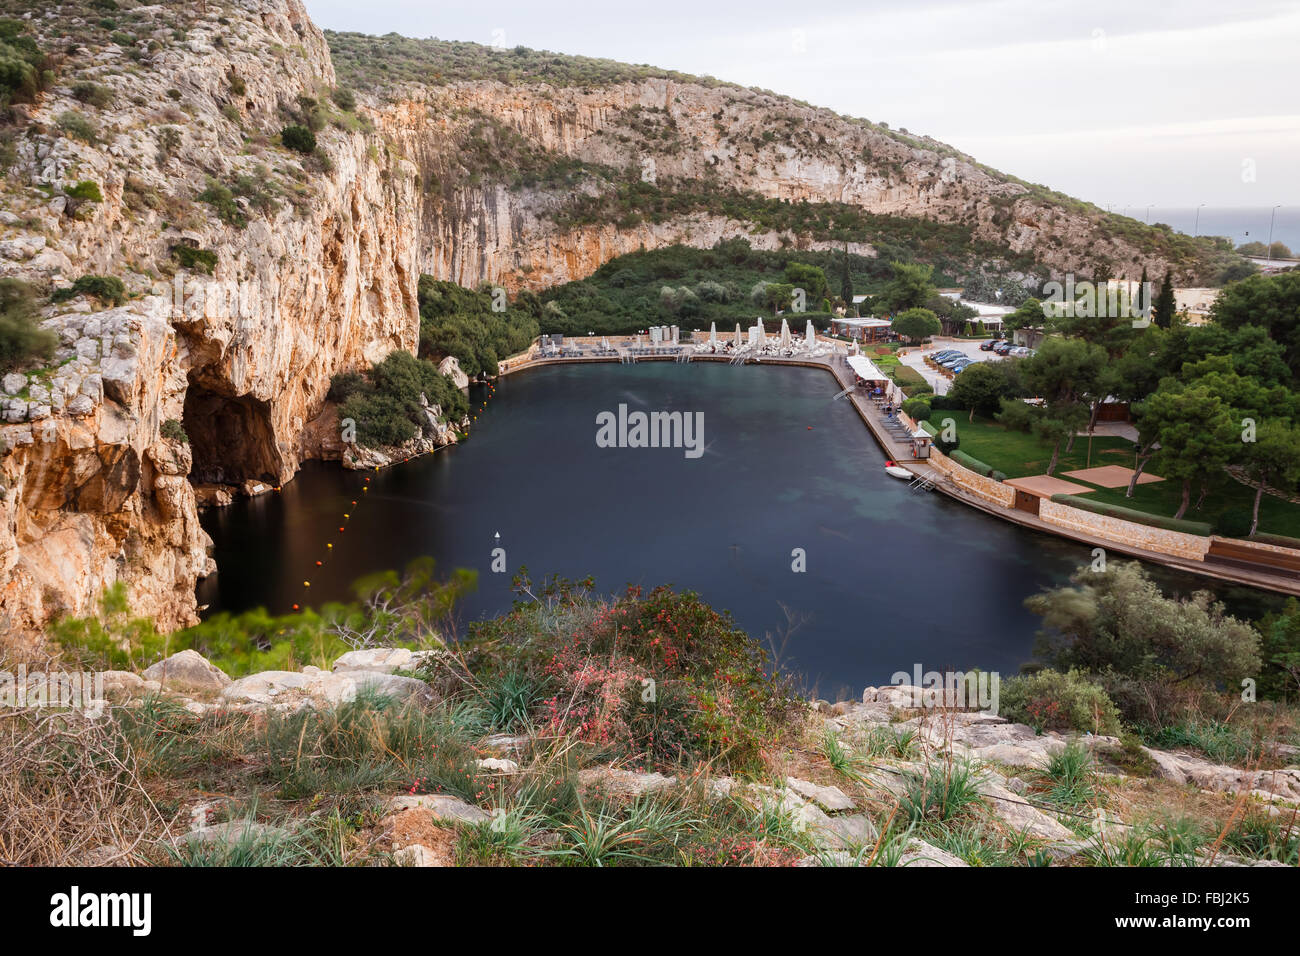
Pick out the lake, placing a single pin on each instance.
(894, 578)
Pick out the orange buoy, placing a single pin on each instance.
(306, 584)
(318, 564)
(329, 545)
(340, 528)
(295, 607)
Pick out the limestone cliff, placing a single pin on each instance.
(322, 278)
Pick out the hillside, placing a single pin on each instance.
(584, 143)
(210, 222)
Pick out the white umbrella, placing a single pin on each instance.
(809, 333)
(785, 334)
(737, 335)
(713, 333)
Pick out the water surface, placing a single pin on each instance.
(894, 578)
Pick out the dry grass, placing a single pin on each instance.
(70, 793)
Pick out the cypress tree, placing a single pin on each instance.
(846, 285)
(1163, 312)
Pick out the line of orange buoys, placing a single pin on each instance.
(365, 487)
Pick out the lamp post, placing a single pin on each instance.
(1197, 231)
(1271, 216)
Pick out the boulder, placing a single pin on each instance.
(622, 783)
(450, 366)
(920, 853)
(1015, 812)
(831, 799)
(188, 670)
(417, 855)
(383, 660)
(236, 831)
(402, 689)
(441, 806)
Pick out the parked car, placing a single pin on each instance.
(946, 354)
(959, 360)
(990, 345)
(1003, 348)
(1021, 351)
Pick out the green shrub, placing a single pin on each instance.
(222, 200)
(85, 191)
(344, 98)
(1050, 700)
(24, 68)
(107, 289)
(256, 190)
(201, 260)
(917, 409)
(385, 405)
(77, 126)
(22, 341)
(92, 94)
(346, 384)
(298, 138)
(974, 464)
(174, 430)
(380, 419)
(1200, 528)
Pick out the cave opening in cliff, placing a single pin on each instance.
(230, 437)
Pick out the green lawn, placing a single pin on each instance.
(1018, 455)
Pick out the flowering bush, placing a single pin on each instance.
(657, 680)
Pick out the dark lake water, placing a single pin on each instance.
(894, 578)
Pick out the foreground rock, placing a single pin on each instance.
(188, 672)
(441, 807)
(312, 687)
(232, 833)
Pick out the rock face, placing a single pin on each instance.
(316, 260)
(320, 280)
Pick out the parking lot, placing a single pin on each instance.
(915, 358)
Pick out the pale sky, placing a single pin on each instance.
(1126, 103)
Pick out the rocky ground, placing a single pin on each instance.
(846, 793)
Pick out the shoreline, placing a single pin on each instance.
(1279, 583)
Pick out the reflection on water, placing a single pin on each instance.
(894, 578)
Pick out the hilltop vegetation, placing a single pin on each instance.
(372, 62)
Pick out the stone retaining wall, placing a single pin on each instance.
(987, 488)
(1176, 543)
